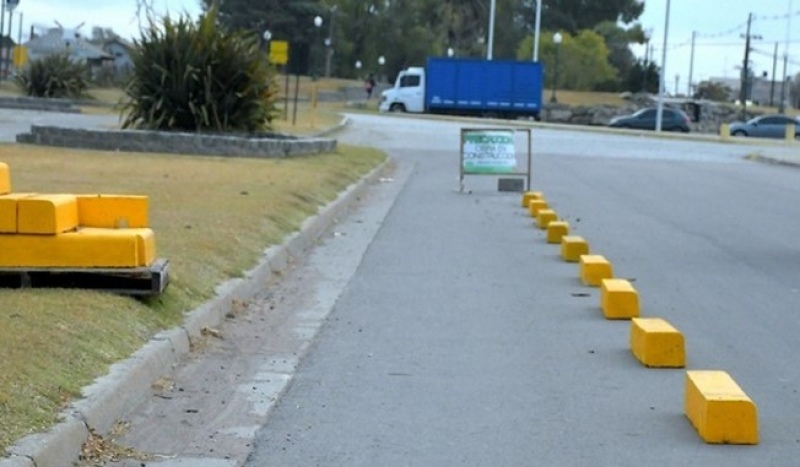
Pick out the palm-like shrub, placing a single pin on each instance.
(55, 76)
(195, 76)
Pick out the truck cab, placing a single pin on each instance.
(407, 94)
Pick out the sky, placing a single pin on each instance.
(719, 46)
(721, 27)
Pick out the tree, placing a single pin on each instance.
(713, 91)
(618, 41)
(290, 20)
(642, 77)
(583, 60)
(574, 15)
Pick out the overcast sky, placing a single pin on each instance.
(719, 49)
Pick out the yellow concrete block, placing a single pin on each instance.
(725, 131)
(113, 211)
(5, 179)
(657, 344)
(573, 247)
(593, 269)
(47, 214)
(84, 248)
(536, 205)
(8, 211)
(529, 196)
(618, 299)
(545, 217)
(145, 240)
(719, 409)
(556, 230)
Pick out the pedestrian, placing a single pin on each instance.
(369, 84)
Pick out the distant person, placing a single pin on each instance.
(369, 85)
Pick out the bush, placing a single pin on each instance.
(55, 76)
(191, 76)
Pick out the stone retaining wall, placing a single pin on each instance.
(712, 114)
(176, 143)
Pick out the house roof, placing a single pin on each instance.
(56, 41)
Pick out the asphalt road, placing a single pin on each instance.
(463, 339)
(439, 328)
(16, 121)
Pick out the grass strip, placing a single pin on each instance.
(213, 218)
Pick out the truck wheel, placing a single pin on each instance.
(397, 107)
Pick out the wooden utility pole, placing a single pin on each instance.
(743, 94)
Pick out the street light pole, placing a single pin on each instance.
(557, 41)
(492, 10)
(317, 25)
(781, 105)
(537, 30)
(329, 43)
(2, 36)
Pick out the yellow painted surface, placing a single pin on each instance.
(556, 230)
(657, 344)
(5, 179)
(8, 211)
(113, 211)
(718, 408)
(573, 247)
(98, 248)
(789, 132)
(725, 131)
(47, 214)
(618, 299)
(529, 196)
(545, 217)
(593, 269)
(536, 205)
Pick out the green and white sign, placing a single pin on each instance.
(488, 152)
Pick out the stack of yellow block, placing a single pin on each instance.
(73, 231)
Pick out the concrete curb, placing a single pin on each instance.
(773, 160)
(129, 382)
(333, 130)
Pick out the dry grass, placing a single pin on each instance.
(212, 217)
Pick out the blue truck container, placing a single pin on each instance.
(504, 88)
(467, 86)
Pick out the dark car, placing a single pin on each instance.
(766, 126)
(645, 119)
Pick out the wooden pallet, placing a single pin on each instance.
(143, 282)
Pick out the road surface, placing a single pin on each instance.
(439, 328)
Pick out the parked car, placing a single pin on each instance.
(645, 119)
(766, 126)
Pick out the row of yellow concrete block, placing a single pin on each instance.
(716, 406)
(62, 230)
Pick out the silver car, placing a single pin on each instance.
(766, 126)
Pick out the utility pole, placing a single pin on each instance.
(772, 82)
(661, 83)
(745, 82)
(646, 65)
(691, 68)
